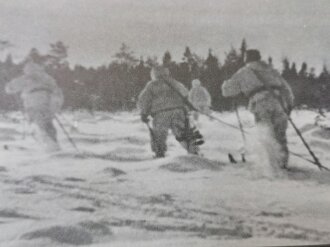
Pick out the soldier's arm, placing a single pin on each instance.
(230, 88)
(236, 85)
(145, 100)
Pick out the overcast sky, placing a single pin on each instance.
(94, 29)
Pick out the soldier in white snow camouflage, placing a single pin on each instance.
(167, 109)
(42, 99)
(200, 98)
(271, 109)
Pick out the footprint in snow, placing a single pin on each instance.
(62, 234)
(113, 172)
(74, 179)
(191, 163)
(10, 213)
(84, 209)
(273, 214)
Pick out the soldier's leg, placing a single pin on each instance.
(48, 135)
(180, 128)
(47, 130)
(280, 127)
(263, 117)
(51, 131)
(274, 121)
(159, 134)
(41, 127)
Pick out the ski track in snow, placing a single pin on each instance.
(114, 192)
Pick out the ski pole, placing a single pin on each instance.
(67, 134)
(316, 160)
(308, 160)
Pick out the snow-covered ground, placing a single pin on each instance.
(114, 194)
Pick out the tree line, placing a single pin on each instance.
(116, 86)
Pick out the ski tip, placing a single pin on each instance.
(231, 158)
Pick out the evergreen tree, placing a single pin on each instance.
(187, 56)
(324, 88)
(243, 51)
(212, 79)
(303, 70)
(141, 77)
(286, 72)
(232, 63)
(57, 55)
(187, 70)
(311, 74)
(117, 85)
(125, 56)
(324, 77)
(293, 71)
(211, 61)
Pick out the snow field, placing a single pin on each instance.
(114, 192)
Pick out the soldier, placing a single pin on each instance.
(270, 100)
(168, 111)
(200, 98)
(42, 99)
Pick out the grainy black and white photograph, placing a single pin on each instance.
(191, 123)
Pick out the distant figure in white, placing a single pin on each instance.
(42, 99)
(200, 98)
(270, 109)
(168, 112)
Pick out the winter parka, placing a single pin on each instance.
(158, 96)
(37, 89)
(199, 96)
(247, 81)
